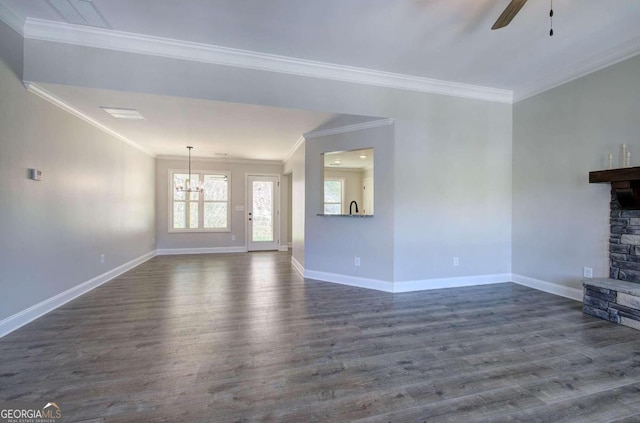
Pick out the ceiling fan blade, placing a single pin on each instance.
(509, 13)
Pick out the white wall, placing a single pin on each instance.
(289, 206)
(452, 156)
(238, 171)
(333, 242)
(295, 167)
(452, 189)
(560, 221)
(96, 198)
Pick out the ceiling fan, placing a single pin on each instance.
(512, 10)
(509, 13)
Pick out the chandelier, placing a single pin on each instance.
(187, 186)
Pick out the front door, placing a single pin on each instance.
(263, 214)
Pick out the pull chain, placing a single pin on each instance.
(551, 19)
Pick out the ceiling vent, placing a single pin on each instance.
(79, 12)
(119, 113)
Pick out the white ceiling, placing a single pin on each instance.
(353, 159)
(448, 40)
(441, 39)
(239, 131)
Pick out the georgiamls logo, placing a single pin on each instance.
(28, 413)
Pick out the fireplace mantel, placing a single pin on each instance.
(625, 183)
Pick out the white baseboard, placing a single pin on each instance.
(28, 315)
(549, 287)
(297, 266)
(376, 284)
(439, 283)
(211, 250)
(404, 286)
(283, 248)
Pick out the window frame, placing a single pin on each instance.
(324, 203)
(201, 202)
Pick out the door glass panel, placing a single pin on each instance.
(262, 211)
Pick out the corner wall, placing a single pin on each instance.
(96, 197)
(560, 221)
(332, 243)
(295, 167)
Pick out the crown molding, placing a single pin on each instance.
(11, 18)
(293, 149)
(59, 32)
(46, 95)
(334, 131)
(349, 128)
(217, 160)
(569, 73)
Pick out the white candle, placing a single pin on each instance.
(610, 161)
(624, 155)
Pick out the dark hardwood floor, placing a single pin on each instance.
(242, 337)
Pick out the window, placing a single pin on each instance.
(195, 212)
(333, 194)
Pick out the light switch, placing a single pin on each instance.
(35, 174)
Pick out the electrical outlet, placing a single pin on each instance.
(233, 237)
(587, 272)
(357, 261)
(102, 258)
(456, 261)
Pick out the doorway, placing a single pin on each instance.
(263, 212)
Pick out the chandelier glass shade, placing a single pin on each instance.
(189, 185)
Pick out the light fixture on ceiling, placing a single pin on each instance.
(363, 156)
(119, 113)
(187, 186)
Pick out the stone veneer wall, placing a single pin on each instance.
(624, 243)
(613, 300)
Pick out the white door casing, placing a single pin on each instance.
(263, 212)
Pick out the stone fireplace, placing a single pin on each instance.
(618, 299)
(624, 243)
